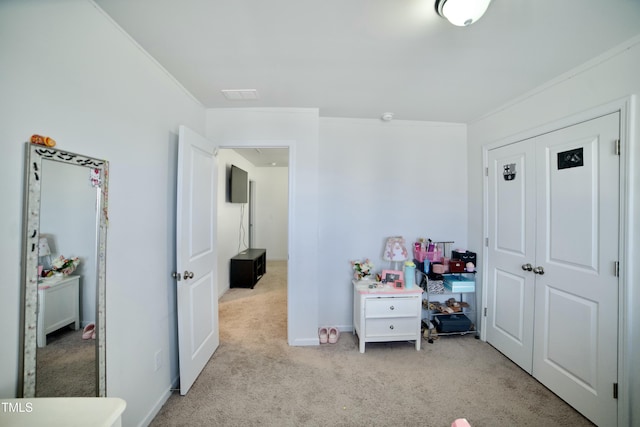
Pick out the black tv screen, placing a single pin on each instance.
(238, 185)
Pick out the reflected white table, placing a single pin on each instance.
(58, 305)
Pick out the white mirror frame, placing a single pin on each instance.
(31, 223)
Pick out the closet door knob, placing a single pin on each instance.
(539, 270)
(527, 267)
(187, 275)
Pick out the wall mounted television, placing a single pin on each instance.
(238, 185)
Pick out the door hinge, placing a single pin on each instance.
(485, 312)
(486, 171)
(615, 390)
(486, 241)
(617, 147)
(616, 268)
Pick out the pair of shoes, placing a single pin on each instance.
(89, 332)
(328, 335)
(323, 333)
(334, 334)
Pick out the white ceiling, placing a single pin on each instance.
(265, 157)
(361, 58)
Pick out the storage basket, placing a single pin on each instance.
(419, 255)
(435, 286)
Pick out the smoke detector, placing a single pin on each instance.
(387, 117)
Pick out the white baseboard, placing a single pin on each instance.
(159, 404)
(301, 342)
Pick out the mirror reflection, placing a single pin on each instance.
(64, 261)
(65, 355)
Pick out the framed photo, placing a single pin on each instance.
(392, 276)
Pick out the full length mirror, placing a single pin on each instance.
(64, 265)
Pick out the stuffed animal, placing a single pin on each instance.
(43, 140)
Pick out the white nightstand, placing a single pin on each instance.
(58, 306)
(386, 314)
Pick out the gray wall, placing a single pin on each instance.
(70, 73)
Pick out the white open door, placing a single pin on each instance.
(196, 260)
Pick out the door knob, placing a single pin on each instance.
(176, 276)
(539, 270)
(527, 267)
(187, 275)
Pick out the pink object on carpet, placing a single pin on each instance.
(460, 422)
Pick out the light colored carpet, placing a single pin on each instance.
(66, 365)
(256, 379)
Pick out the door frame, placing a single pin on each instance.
(291, 256)
(626, 108)
(252, 212)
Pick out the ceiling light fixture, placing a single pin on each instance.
(462, 12)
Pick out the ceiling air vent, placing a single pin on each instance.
(240, 94)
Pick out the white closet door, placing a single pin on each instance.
(510, 289)
(552, 288)
(576, 320)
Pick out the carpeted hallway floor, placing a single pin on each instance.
(256, 379)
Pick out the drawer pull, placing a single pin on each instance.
(392, 308)
(390, 326)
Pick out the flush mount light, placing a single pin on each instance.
(462, 12)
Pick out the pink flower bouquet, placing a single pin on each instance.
(362, 269)
(64, 265)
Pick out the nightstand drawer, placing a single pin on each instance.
(391, 307)
(391, 327)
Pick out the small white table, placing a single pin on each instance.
(62, 412)
(386, 314)
(58, 306)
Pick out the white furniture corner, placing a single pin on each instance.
(385, 314)
(58, 306)
(62, 412)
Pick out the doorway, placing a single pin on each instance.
(266, 216)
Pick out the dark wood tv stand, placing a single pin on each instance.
(247, 268)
